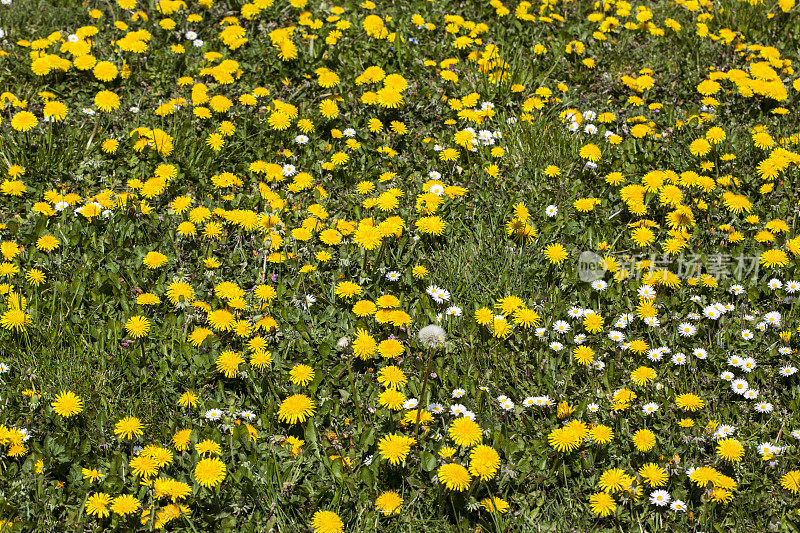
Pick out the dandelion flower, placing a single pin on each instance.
(465, 432)
(454, 476)
(296, 408)
(67, 404)
(125, 505)
(137, 326)
(602, 504)
(210, 472)
(730, 449)
(128, 428)
(644, 440)
(484, 462)
(791, 481)
(97, 505)
(327, 522)
(389, 503)
(395, 448)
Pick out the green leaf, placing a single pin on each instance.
(428, 461)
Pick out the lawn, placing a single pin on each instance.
(451, 266)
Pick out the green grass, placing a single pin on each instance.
(77, 339)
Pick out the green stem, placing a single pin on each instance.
(422, 393)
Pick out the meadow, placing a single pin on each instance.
(450, 266)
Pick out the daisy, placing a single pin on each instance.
(727, 375)
(599, 285)
(766, 448)
(739, 386)
(660, 498)
(543, 401)
(561, 327)
(575, 312)
(616, 336)
(551, 211)
(787, 371)
(457, 409)
(763, 407)
(646, 291)
(453, 310)
(686, 329)
(458, 393)
(724, 431)
(528, 402)
(773, 318)
(700, 353)
(652, 321)
(213, 414)
(649, 408)
(748, 364)
(735, 360)
(678, 506)
(774, 284)
(393, 275)
(438, 294)
(679, 359)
